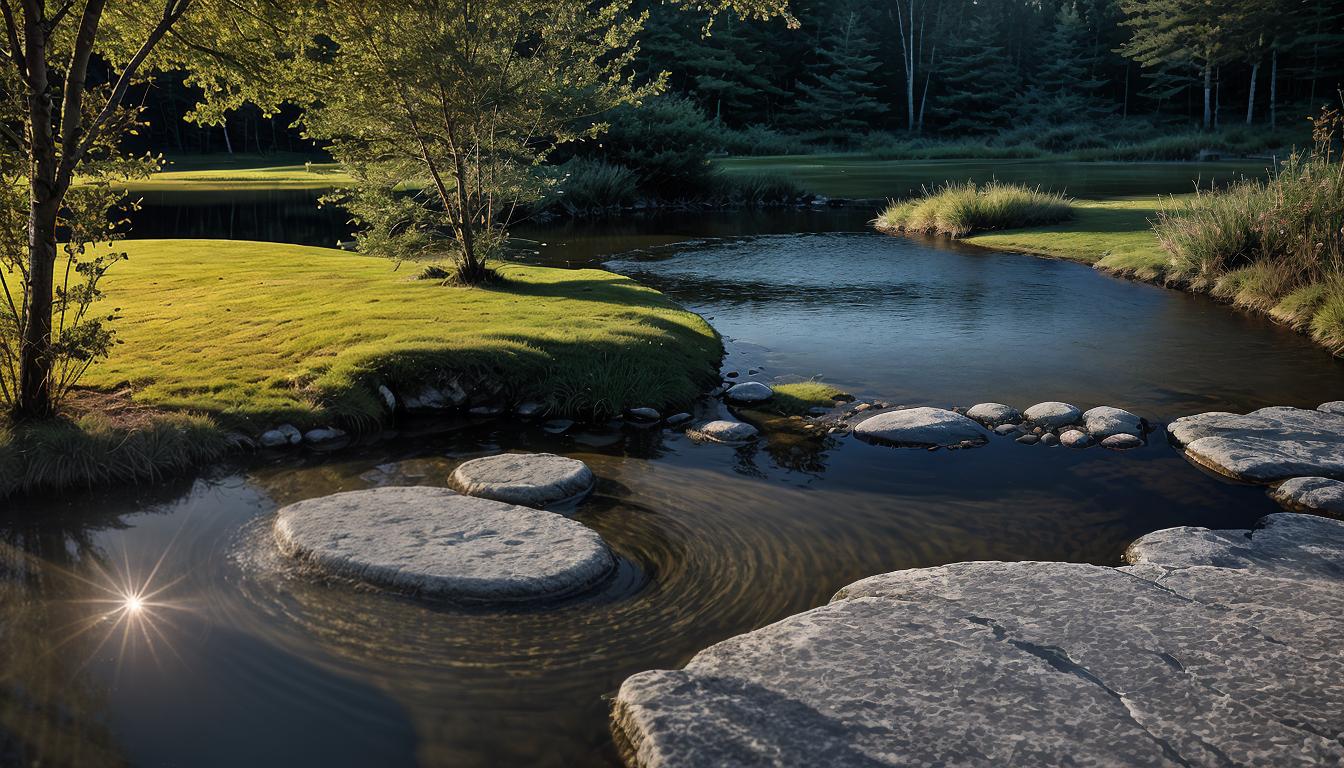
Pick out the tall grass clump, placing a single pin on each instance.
(753, 190)
(1275, 246)
(95, 450)
(958, 210)
(586, 186)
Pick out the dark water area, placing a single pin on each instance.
(237, 657)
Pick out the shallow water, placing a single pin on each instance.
(243, 659)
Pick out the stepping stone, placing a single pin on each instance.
(749, 392)
(1052, 415)
(1074, 438)
(435, 543)
(530, 479)
(1030, 664)
(1265, 446)
(920, 428)
(994, 414)
(1319, 495)
(723, 431)
(1103, 421)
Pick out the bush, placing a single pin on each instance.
(958, 210)
(753, 190)
(585, 187)
(666, 142)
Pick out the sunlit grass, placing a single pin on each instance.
(797, 398)
(258, 333)
(961, 209)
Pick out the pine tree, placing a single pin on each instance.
(977, 81)
(839, 94)
(1174, 37)
(1063, 87)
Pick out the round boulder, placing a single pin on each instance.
(749, 392)
(1103, 421)
(529, 479)
(1311, 494)
(723, 431)
(1052, 415)
(436, 543)
(920, 428)
(994, 414)
(1075, 438)
(1121, 442)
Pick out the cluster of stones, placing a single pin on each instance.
(729, 431)
(1210, 648)
(1297, 451)
(499, 537)
(1051, 423)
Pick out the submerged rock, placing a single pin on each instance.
(1052, 415)
(723, 431)
(994, 414)
(1029, 439)
(749, 392)
(557, 426)
(1311, 494)
(1265, 446)
(643, 414)
(1029, 664)
(528, 410)
(920, 428)
(1049, 438)
(389, 399)
(436, 543)
(1003, 430)
(530, 479)
(1103, 421)
(429, 398)
(323, 436)
(1075, 438)
(677, 419)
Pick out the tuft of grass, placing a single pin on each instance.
(753, 190)
(95, 449)
(589, 187)
(255, 334)
(958, 210)
(797, 398)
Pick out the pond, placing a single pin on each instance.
(235, 658)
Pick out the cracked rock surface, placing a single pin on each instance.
(434, 542)
(1213, 648)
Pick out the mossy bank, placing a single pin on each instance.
(253, 335)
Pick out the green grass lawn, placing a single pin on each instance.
(1115, 234)
(316, 176)
(255, 334)
(863, 176)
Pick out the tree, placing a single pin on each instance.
(62, 123)
(978, 81)
(466, 97)
(840, 95)
(1169, 34)
(1062, 88)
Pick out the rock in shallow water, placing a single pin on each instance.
(723, 431)
(1074, 438)
(644, 414)
(1265, 446)
(530, 479)
(1052, 415)
(920, 428)
(1311, 494)
(749, 392)
(1026, 664)
(1103, 421)
(1121, 442)
(993, 414)
(436, 543)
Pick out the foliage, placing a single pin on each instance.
(958, 210)
(838, 98)
(666, 141)
(256, 334)
(466, 97)
(976, 75)
(586, 186)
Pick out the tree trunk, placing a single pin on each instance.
(473, 269)
(34, 395)
(228, 144)
(1208, 93)
(1273, 86)
(1250, 100)
(1217, 98)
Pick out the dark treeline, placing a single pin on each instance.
(938, 69)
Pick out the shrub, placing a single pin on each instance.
(958, 210)
(586, 186)
(753, 190)
(666, 142)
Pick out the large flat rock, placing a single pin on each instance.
(530, 479)
(1318, 495)
(1265, 446)
(1170, 662)
(920, 428)
(437, 543)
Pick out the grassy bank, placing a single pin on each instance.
(959, 209)
(258, 333)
